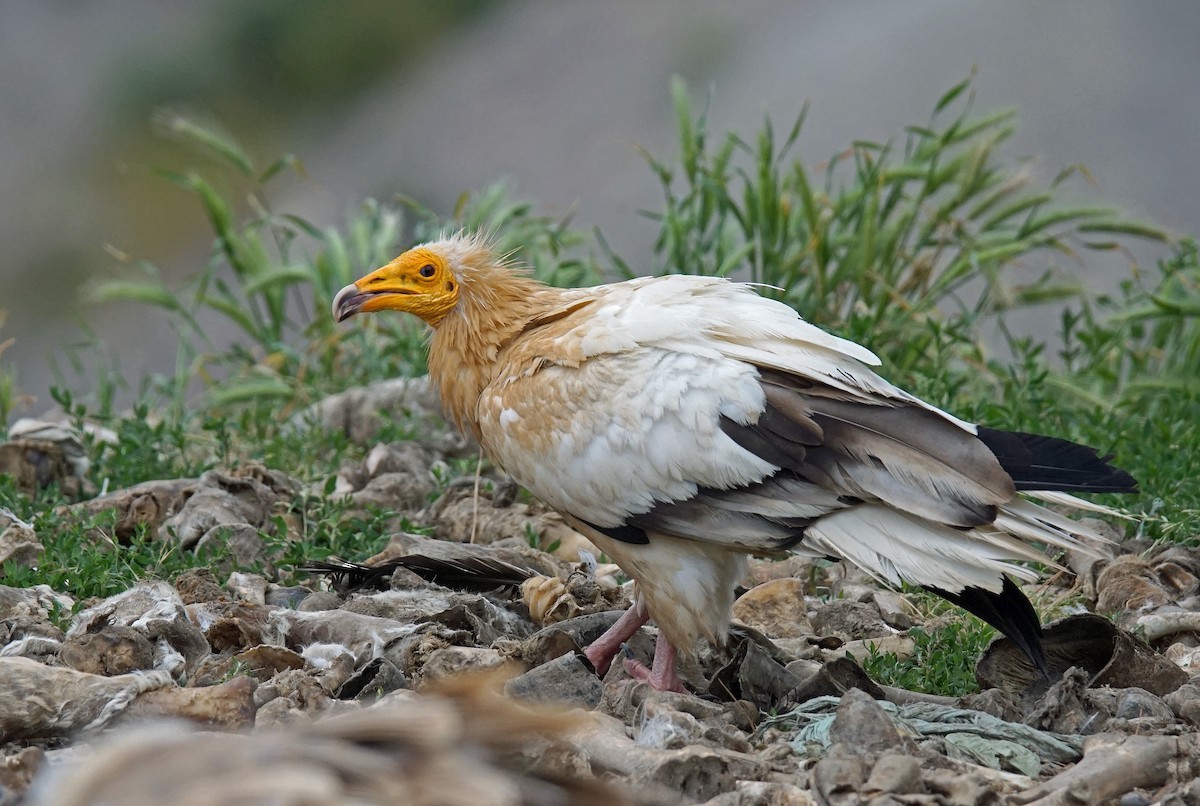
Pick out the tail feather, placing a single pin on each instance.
(1038, 462)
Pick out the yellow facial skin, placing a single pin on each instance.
(418, 282)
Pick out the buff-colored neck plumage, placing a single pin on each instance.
(496, 302)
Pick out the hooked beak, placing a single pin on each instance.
(351, 300)
(348, 302)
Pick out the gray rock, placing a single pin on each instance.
(115, 649)
(752, 674)
(1135, 703)
(360, 412)
(1185, 702)
(286, 596)
(452, 660)
(850, 620)
(318, 601)
(471, 612)
(996, 702)
(839, 776)
(398, 457)
(666, 728)
(244, 544)
(831, 679)
(566, 680)
(775, 607)
(373, 681)
(247, 495)
(763, 793)
(399, 491)
(155, 610)
(247, 587)
(895, 773)
(953, 788)
(895, 610)
(863, 725)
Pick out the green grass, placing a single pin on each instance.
(912, 247)
(942, 663)
(80, 558)
(907, 245)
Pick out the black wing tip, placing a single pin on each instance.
(1040, 462)
(1010, 612)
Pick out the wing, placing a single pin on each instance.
(616, 409)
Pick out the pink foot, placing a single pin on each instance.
(661, 676)
(601, 652)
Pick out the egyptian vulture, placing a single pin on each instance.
(683, 423)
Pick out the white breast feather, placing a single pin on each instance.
(628, 444)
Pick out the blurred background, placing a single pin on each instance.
(380, 97)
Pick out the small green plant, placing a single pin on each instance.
(324, 526)
(532, 538)
(907, 248)
(1141, 347)
(262, 282)
(82, 559)
(942, 663)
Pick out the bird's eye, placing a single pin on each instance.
(428, 270)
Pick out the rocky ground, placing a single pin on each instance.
(446, 669)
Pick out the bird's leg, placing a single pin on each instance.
(601, 651)
(661, 675)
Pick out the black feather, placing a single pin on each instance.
(464, 573)
(764, 444)
(626, 534)
(1038, 462)
(1009, 611)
